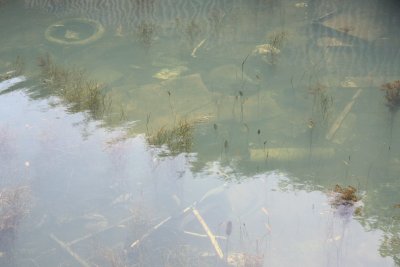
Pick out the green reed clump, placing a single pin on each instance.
(178, 139)
(74, 88)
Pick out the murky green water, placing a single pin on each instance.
(199, 133)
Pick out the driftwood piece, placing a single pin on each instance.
(212, 237)
(338, 122)
(203, 236)
(70, 251)
(197, 47)
(210, 192)
(100, 231)
(154, 228)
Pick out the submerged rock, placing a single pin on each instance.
(71, 35)
(265, 49)
(331, 42)
(168, 74)
(228, 78)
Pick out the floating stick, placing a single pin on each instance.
(197, 47)
(213, 240)
(201, 235)
(154, 228)
(336, 125)
(100, 231)
(69, 251)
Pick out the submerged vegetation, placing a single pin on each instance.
(345, 195)
(321, 100)
(72, 86)
(15, 203)
(145, 32)
(17, 68)
(178, 139)
(392, 95)
(276, 41)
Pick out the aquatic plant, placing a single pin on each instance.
(391, 246)
(17, 67)
(321, 100)
(74, 88)
(145, 32)
(178, 139)
(345, 195)
(276, 41)
(15, 203)
(392, 95)
(192, 30)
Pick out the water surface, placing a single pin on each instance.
(273, 103)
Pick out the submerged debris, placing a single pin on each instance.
(392, 95)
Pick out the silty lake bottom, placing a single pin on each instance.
(199, 133)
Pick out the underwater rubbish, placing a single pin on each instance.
(392, 95)
(145, 32)
(65, 32)
(74, 88)
(178, 139)
(338, 122)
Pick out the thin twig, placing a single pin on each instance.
(69, 251)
